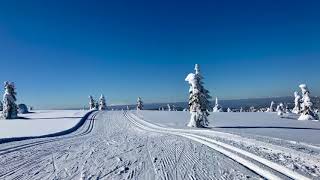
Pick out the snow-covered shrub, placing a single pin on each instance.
(102, 103)
(139, 104)
(199, 97)
(306, 105)
(10, 109)
(22, 109)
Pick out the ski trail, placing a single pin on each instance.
(226, 150)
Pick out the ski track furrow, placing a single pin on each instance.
(224, 149)
(52, 139)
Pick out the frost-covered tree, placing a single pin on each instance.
(297, 101)
(128, 108)
(280, 109)
(102, 103)
(92, 103)
(229, 110)
(10, 109)
(217, 107)
(199, 97)
(271, 108)
(139, 104)
(307, 112)
(169, 107)
(241, 109)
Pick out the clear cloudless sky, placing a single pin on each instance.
(59, 52)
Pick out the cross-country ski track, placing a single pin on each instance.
(121, 145)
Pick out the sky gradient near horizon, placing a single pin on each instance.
(59, 52)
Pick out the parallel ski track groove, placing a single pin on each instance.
(228, 150)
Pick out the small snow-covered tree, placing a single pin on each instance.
(139, 104)
(297, 100)
(169, 107)
(280, 109)
(241, 109)
(229, 110)
(271, 108)
(199, 97)
(128, 108)
(307, 112)
(10, 109)
(102, 103)
(92, 103)
(217, 107)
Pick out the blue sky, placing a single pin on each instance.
(59, 52)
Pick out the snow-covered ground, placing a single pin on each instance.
(40, 123)
(246, 123)
(157, 145)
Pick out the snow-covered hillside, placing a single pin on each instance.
(40, 123)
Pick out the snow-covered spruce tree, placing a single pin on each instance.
(241, 109)
(92, 103)
(280, 109)
(271, 108)
(169, 107)
(229, 110)
(297, 100)
(139, 104)
(128, 108)
(307, 112)
(199, 97)
(102, 103)
(217, 107)
(10, 109)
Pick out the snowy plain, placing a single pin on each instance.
(157, 145)
(245, 123)
(40, 122)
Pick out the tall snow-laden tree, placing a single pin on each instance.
(92, 103)
(139, 104)
(307, 112)
(102, 103)
(199, 97)
(10, 109)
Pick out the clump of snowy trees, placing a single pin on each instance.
(102, 103)
(199, 97)
(10, 108)
(139, 104)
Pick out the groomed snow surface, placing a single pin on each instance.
(158, 145)
(38, 123)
